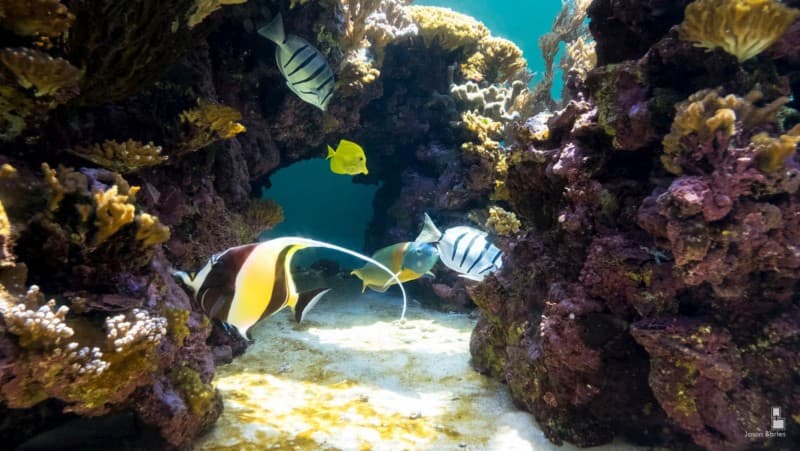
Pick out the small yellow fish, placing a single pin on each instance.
(348, 159)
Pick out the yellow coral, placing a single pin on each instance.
(150, 231)
(581, 57)
(356, 13)
(503, 222)
(38, 70)
(448, 28)
(486, 130)
(35, 17)
(771, 153)
(706, 113)
(203, 8)
(196, 393)
(112, 211)
(209, 122)
(743, 28)
(263, 214)
(125, 157)
(497, 60)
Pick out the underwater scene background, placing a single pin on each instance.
(592, 205)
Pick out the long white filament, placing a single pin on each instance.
(315, 243)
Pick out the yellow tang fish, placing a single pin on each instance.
(245, 284)
(408, 260)
(348, 159)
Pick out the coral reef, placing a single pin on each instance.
(203, 8)
(643, 284)
(207, 123)
(125, 157)
(447, 28)
(743, 28)
(35, 17)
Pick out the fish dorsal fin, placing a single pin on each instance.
(274, 30)
(430, 233)
(306, 301)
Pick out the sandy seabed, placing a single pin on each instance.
(353, 377)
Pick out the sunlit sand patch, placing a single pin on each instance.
(352, 378)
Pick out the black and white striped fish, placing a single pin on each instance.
(465, 250)
(305, 69)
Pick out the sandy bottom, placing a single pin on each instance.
(351, 377)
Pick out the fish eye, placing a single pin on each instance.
(360, 158)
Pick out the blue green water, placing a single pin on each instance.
(321, 205)
(520, 21)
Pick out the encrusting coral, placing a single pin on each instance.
(35, 17)
(124, 157)
(743, 28)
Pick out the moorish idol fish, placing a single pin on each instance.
(408, 260)
(245, 284)
(347, 159)
(305, 69)
(463, 249)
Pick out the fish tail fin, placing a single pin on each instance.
(330, 153)
(430, 233)
(274, 30)
(315, 243)
(306, 301)
(471, 277)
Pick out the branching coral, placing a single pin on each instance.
(125, 157)
(568, 26)
(580, 57)
(447, 28)
(743, 28)
(149, 231)
(503, 222)
(370, 26)
(112, 211)
(390, 22)
(35, 17)
(203, 8)
(207, 123)
(72, 360)
(356, 13)
(706, 118)
(38, 70)
(771, 153)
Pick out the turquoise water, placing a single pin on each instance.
(334, 209)
(521, 21)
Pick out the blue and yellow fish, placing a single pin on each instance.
(407, 260)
